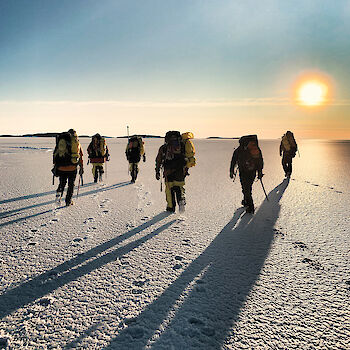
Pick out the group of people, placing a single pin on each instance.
(174, 159)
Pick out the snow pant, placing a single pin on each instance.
(64, 176)
(247, 179)
(287, 163)
(134, 170)
(174, 192)
(97, 169)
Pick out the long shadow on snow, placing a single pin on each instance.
(35, 195)
(71, 270)
(227, 269)
(13, 212)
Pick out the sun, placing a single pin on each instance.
(312, 93)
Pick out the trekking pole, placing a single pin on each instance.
(161, 181)
(78, 186)
(82, 180)
(106, 170)
(53, 180)
(267, 198)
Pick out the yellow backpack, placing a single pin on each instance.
(67, 150)
(190, 150)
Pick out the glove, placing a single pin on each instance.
(231, 174)
(144, 158)
(157, 175)
(260, 174)
(81, 171)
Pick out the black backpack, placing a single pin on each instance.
(250, 158)
(62, 154)
(174, 150)
(133, 151)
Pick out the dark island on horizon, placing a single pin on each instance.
(54, 134)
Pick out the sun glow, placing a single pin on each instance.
(312, 93)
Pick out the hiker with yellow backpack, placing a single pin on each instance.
(135, 149)
(288, 150)
(248, 158)
(98, 154)
(67, 156)
(175, 157)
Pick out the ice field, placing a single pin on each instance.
(115, 271)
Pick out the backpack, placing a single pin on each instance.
(289, 144)
(97, 147)
(134, 149)
(190, 150)
(67, 149)
(251, 157)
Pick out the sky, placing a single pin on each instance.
(213, 67)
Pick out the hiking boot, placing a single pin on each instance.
(182, 204)
(171, 210)
(244, 203)
(69, 203)
(58, 197)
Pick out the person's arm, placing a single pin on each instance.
(159, 161)
(233, 162)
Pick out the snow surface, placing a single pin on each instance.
(116, 272)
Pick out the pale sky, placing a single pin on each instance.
(216, 68)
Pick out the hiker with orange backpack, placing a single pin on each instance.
(250, 162)
(288, 150)
(67, 156)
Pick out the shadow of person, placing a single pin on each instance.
(14, 212)
(201, 306)
(77, 267)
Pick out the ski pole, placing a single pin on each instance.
(78, 186)
(82, 180)
(106, 170)
(53, 180)
(267, 198)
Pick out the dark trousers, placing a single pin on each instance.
(247, 179)
(64, 176)
(287, 162)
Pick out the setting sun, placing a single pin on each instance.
(312, 93)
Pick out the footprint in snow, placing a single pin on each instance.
(145, 218)
(32, 243)
(139, 283)
(45, 301)
(315, 264)
(178, 258)
(338, 191)
(34, 230)
(195, 321)
(105, 211)
(55, 219)
(186, 242)
(78, 239)
(301, 245)
(315, 185)
(88, 220)
(137, 291)
(177, 267)
(278, 232)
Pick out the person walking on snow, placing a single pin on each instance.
(175, 156)
(98, 154)
(134, 151)
(250, 162)
(67, 156)
(288, 149)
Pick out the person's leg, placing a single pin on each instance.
(247, 180)
(285, 163)
(170, 196)
(71, 179)
(63, 181)
(94, 172)
(180, 194)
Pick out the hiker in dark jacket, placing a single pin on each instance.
(172, 158)
(250, 162)
(288, 149)
(67, 156)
